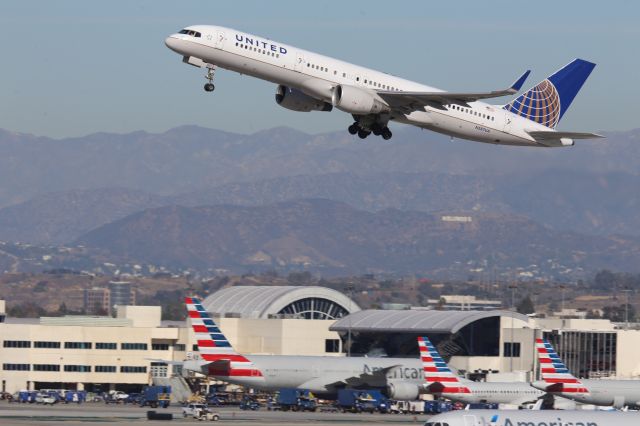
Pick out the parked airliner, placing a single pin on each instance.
(308, 81)
(441, 382)
(535, 418)
(399, 378)
(558, 380)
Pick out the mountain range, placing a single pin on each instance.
(113, 192)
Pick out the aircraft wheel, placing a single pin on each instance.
(209, 87)
(353, 129)
(362, 134)
(386, 134)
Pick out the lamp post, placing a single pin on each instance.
(513, 288)
(350, 290)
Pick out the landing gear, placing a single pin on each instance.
(377, 130)
(211, 70)
(362, 134)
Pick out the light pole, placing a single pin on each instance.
(513, 287)
(350, 290)
(563, 288)
(626, 308)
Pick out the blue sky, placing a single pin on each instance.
(71, 68)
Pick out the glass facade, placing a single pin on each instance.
(313, 308)
(588, 354)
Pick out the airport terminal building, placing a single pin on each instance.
(136, 348)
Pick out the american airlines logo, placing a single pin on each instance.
(509, 422)
(262, 44)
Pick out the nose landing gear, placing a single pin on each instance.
(211, 70)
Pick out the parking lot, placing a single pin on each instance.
(26, 414)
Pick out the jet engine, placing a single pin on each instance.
(403, 391)
(357, 101)
(295, 100)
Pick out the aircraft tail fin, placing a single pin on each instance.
(438, 376)
(212, 344)
(547, 102)
(554, 372)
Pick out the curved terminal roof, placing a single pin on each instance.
(266, 301)
(415, 321)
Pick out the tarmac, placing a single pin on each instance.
(90, 413)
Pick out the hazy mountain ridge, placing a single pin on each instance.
(189, 158)
(334, 238)
(589, 203)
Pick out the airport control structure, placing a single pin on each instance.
(135, 347)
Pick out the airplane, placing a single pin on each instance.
(398, 378)
(308, 81)
(441, 382)
(558, 380)
(534, 418)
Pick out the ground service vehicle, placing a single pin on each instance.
(296, 400)
(156, 396)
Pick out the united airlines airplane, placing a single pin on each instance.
(535, 418)
(309, 81)
(441, 382)
(558, 380)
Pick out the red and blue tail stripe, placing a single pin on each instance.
(437, 373)
(554, 372)
(214, 346)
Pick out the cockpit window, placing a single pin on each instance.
(191, 33)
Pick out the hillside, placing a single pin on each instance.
(191, 158)
(334, 238)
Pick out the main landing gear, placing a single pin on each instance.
(211, 70)
(376, 129)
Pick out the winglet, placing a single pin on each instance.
(517, 85)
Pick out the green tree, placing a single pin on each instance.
(618, 313)
(526, 306)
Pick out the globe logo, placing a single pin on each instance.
(540, 104)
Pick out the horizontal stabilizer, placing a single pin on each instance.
(544, 135)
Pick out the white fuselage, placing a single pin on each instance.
(535, 418)
(324, 375)
(316, 75)
(617, 393)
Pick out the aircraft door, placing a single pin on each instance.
(469, 421)
(300, 63)
(219, 39)
(508, 118)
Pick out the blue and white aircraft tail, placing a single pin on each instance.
(547, 101)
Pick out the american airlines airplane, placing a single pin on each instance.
(308, 81)
(535, 418)
(399, 378)
(558, 380)
(441, 382)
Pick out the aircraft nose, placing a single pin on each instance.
(172, 42)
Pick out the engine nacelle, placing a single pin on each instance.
(403, 391)
(356, 101)
(295, 100)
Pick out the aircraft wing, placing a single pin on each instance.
(377, 378)
(412, 101)
(544, 135)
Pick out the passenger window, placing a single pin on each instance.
(344, 74)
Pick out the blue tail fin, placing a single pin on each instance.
(547, 102)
